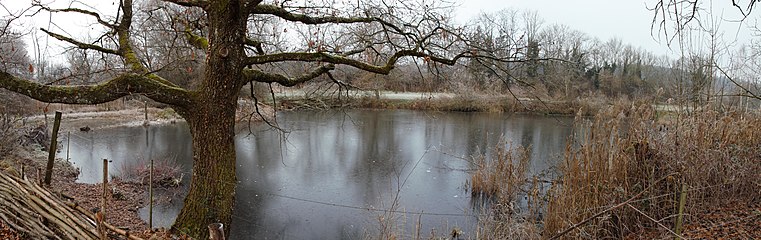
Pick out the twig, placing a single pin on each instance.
(655, 221)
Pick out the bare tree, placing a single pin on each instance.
(672, 18)
(239, 42)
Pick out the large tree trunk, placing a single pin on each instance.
(212, 124)
(212, 187)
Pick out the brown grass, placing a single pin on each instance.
(628, 152)
(624, 151)
(496, 183)
(501, 176)
(494, 104)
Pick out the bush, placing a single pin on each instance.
(166, 172)
(9, 135)
(15, 104)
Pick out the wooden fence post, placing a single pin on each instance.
(680, 216)
(150, 196)
(216, 231)
(102, 223)
(68, 145)
(53, 146)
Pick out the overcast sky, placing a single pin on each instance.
(628, 20)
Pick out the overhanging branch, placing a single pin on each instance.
(196, 40)
(334, 59)
(256, 44)
(94, 94)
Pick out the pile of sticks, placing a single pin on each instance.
(35, 213)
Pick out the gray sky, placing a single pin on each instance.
(628, 20)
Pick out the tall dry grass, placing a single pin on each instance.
(495, 186)
(500, 176)
(630, 154)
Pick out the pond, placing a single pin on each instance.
(331, 175)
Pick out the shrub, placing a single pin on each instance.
(166, 172)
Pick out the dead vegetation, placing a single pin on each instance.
(167, 173)
(495, 185)
(500, 176)
(36, 213)
(708, 155)
(10, 135)
(626, 170)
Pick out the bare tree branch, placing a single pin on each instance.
(256, 44)
(195, 40)
(77, 10)
(683, 12)
(79, 44)
(748, 92)
(251, 75)
(306, 19)
(190, 3)
(334, 59)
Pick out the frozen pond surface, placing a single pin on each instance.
(331, 175)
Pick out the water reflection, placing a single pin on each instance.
(325, 178)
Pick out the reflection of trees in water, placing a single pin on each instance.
(377, 165)
(358, 150)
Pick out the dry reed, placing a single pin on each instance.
(500, 176)
(626, 150)
(496, 184)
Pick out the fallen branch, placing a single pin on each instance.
(109, 226)
(655, 221)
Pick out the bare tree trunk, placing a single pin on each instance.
(212, 187)
(212, 124)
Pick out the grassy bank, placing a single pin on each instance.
(459, 103)
(631, 174)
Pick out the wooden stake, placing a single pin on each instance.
(679, 218)
(102, 220)
(150, 196)
(39, 176)
(68, 144)
(216, 231)
(53, 146)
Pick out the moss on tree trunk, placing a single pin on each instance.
(212, 188)
(212, 124)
